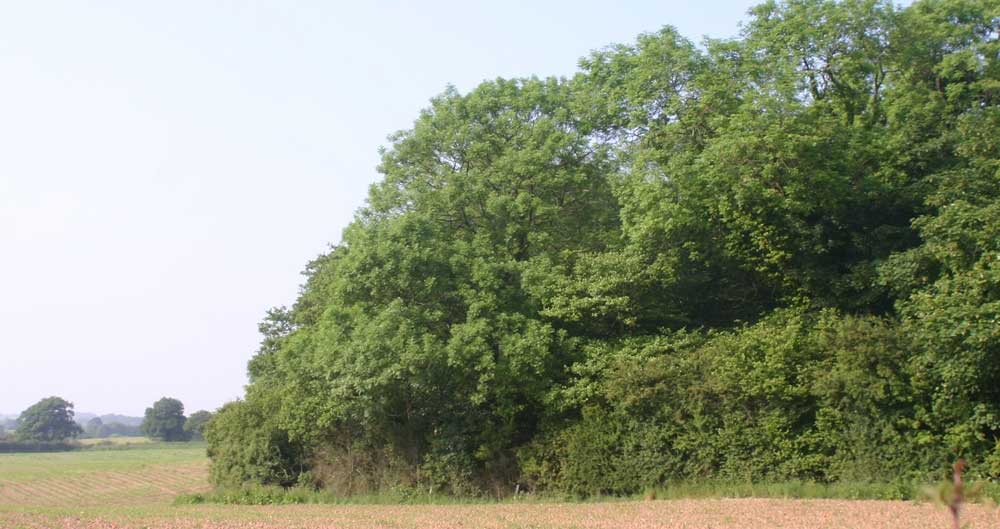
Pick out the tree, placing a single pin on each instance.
(165, 420)
(195, 425)
(93, 427)
(50, 419)
(768, 257)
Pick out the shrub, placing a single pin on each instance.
(246, 446)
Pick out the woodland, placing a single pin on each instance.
(765, 258)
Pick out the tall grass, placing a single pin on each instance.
(789, 489)
(274, 495)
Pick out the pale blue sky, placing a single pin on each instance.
(168, 168)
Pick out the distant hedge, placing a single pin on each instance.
(7, 447)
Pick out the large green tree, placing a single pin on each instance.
(164, 421)
(50, 419)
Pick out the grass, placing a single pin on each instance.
(790, 489)
(899, 490)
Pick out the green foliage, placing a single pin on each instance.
(845, 490)
(297, 495)
(256, 495)
(165, 421)
(48, 420)
(772, 258)
(246, 447)
(194, 426)
(795, 396)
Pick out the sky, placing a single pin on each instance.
(167, 169)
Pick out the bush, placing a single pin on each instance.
(798, 396)
(245, 446)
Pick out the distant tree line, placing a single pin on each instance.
(766, 258)
(96, 428)
(49, 425)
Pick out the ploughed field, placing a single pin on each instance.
(134, 488)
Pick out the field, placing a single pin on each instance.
(135, 487)
(143, 474)
(115, 441)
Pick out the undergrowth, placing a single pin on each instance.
(274, 495)
(898, 490)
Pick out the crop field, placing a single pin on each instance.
(143, 474)
(135, 487)
(670, 514)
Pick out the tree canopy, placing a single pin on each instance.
(165, 420)
(194, 426)
(50, 419)
(774, 256)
